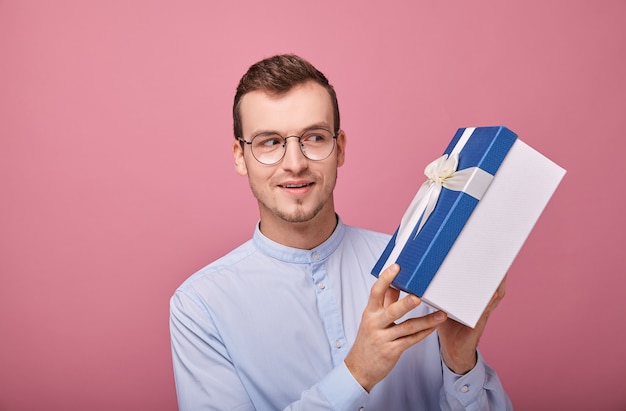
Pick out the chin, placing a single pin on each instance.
(298, 215)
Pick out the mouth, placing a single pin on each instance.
(302, 185)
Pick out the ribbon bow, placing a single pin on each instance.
(440, 173)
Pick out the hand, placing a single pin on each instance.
(380, 341)
(459, 342)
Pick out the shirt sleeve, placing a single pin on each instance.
(204, 375)
(206, 379)
(480, 389)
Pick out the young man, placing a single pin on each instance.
(293, 319)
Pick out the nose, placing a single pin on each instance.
(294, 159)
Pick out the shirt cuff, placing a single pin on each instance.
(468, 387)
(342, 390)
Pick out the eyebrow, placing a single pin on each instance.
(316, 126)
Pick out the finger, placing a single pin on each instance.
(493, 303)
(400, 308)
(391, 296)
(497, 296)
(380, 287)
(501, 291)
(417, 325)
(412, 339)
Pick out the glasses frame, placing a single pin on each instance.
(284, 145)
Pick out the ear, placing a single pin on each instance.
(240, 163)
(341, 148)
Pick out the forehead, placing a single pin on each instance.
(302, 106)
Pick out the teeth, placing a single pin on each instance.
(296, 185)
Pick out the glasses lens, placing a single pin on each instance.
(317, 144)
(269, 148)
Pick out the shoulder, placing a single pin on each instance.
(362, 247)
(365, 237)
(365, 233)
(218, 269)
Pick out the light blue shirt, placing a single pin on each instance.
(267, 327)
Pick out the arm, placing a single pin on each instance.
(207, 379)
(469, 383)
(380, 341)
(204, 374)
(479, 389)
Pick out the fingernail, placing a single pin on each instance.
(439, 315)
(414, 301)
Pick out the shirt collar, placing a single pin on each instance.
(297, 255)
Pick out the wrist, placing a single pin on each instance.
(460, 365)
(359, 376)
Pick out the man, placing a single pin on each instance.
(293, 319)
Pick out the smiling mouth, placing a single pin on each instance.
(296, 185)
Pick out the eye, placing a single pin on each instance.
(316, 137)
(268, 141)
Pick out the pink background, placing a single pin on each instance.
(117, 180)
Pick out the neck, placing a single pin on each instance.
(304, 235)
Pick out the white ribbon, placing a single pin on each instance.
(440, 173)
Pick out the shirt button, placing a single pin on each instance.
(321, 286)
(362, 409)
(316, 256)
(338, 344)
(464, 389)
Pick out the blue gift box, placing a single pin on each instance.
(485, 171)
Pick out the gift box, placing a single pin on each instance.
(469, 219)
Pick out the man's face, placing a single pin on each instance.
(296, 189)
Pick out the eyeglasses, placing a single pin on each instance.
(269, 148)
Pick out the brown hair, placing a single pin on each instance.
(279, 74)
